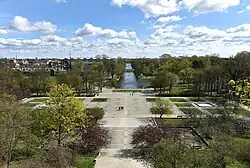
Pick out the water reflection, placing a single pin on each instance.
(130, 82)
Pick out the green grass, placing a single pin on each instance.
(243, 112)
(175, 121)
(191, 111)
(215, 99)
(243, 140)
(156, 111)
(39, 100)
(152, 99)
(126, 90)
(97, 113)
(213, 110)
(99, 100)
(230, 163)
(31, 104)
(195, 99)
(184, 105)
(178, 99)
(85, 162)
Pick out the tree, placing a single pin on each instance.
(91, 138)
(97, 74)
(63, 113)
(145, 136)
(39, 81)
(172, 80)
(186, 75)
(162, 107)
(169, 152)
(14, 126)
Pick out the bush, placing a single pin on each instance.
(91, 139)
(95, 113)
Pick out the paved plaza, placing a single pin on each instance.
(121, 124)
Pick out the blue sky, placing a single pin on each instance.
(128, 28)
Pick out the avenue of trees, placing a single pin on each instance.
(53, 136)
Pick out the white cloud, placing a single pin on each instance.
(20, 23)
(192, 40)
(3, 31)
(248, 7)
(163, 21)
(151, 8)
(62, 1)
(168, 19)
(91, 30)
(204, 6)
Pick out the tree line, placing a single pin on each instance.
(84, 78)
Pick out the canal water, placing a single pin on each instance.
(129, 80)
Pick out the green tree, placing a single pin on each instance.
(171, 80)
(162, 107)
(63, 114)
(186, 75)
(14, 126)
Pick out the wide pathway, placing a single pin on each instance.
(121, 124)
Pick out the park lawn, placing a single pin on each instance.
(152, 99)
(191, 111)
(156, 111)
(215, 100)
(184, 105)
(195, 99)
(230, 163)
(213, 110)
(243, 140)
(30, 105)
(85, 162)
(126, 90)
(39, 100)
(178, 99)
(243, 112)
(100, 100)
(174, 121)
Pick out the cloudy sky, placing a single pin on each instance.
(128, 28)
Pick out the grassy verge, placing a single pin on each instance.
(243, 140)
(31, 104)
(156, 111)
(184, 105)
(230, 163)
(213, 110)
(39, 100)
(152, 99)
(175, 121)
(85, 162)
(191, 111)
(195, 99)
(243, 112)
(126, 90)
(99, 100)
(178, 100)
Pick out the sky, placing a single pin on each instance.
(126, 28)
